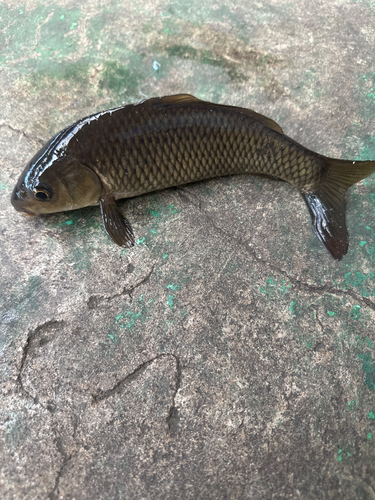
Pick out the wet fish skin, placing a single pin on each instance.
(159, 144)
(170, 141)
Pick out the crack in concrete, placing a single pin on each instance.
(189, 195)
(300, 285)
(317, 318)
(101, 395)
(173, 419)
(25, 134)
(326, 289)
(66, 459)
(32, 335)
(94, 301)
(370, 489)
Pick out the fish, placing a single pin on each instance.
(170, 141)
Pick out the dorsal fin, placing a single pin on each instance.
(189, 100)
(179, 99)
(268, 122)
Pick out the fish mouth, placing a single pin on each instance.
(19, 199)
(26, 211)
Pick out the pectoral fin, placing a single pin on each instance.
(117, 227)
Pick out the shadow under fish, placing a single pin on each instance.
(171, 141)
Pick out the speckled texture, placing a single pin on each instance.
(227, 355)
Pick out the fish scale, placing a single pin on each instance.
(170, 141)
(214, 156)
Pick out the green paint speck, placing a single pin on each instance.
(3, 186)
(69, 222)
(155, 213)
(362, 243)
(371, 415)
(165, 256)
(331, 313)
(120, 316)
(170, 301)
(354, 313)
(62, 17)
(133, 318)
(339, 456)
(369, 369)
(369, 435)
(139, 241)
(154, 231)
(115, 338)
(352, 405)
(172, 286)
(292, 307)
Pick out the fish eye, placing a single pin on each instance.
(42, 193)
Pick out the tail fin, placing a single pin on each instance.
(327, 203)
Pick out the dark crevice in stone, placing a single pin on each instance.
(25, 134)
(30, 346)
(315, 308)
(51, 406)
(189, 196)
(369, 486)
(320, 346)
(101, 395)
(300, 285)
(54, 495)
(173, 419)
(130, 268)
(95, 301)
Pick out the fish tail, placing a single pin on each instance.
(327, 204)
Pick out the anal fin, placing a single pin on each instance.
(116, 225)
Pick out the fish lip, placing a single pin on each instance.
(19, 198)
(26, 211)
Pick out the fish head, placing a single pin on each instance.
(55, 183)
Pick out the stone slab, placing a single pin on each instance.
(227, 355)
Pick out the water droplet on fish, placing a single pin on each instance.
(156, 65)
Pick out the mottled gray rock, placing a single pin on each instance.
(227, 355)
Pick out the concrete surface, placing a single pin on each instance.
(227, 356)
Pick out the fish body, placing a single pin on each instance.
(175, 140)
